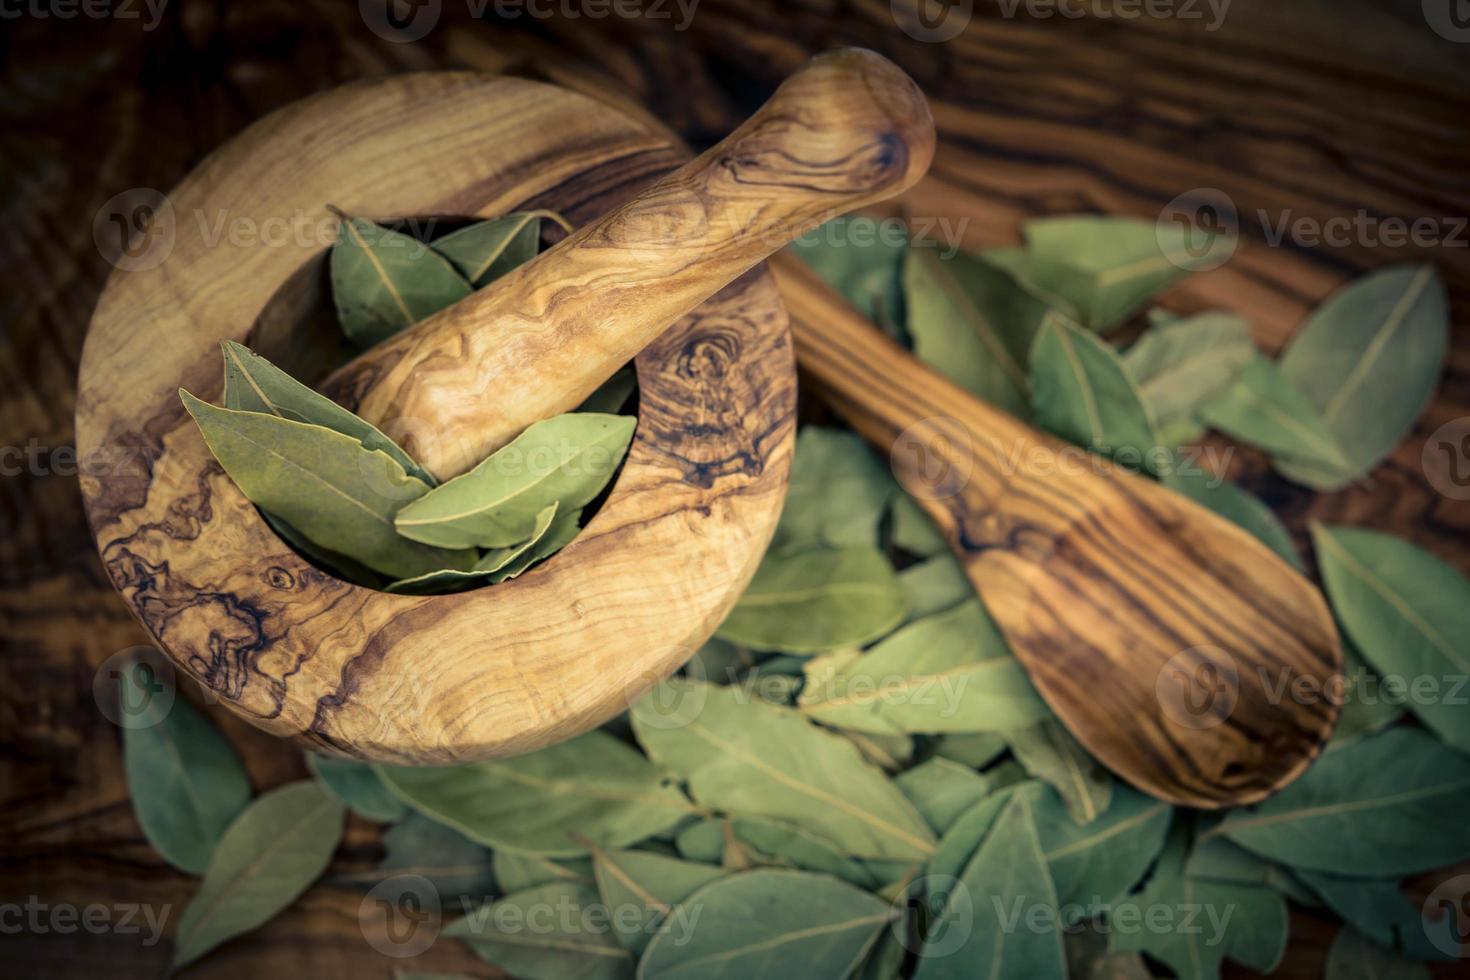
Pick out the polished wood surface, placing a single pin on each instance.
(441, 679)
(847, 130)
(1315, 109)
(1104, 583)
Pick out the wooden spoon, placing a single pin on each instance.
(1173, 644)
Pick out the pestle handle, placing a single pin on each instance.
(847, 130)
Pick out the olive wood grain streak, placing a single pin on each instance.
(443, 679)
(1112, 591)
(847, 130)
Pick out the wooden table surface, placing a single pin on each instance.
(1311, 110)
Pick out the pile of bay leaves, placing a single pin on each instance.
(855, 778)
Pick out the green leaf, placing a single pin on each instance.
(857, 259)
(1106, 858)
(592, 787)
(769, 843)
(1217, 859)
(1194, 924)
(750, 758)
(1100, 270)
(325, 484)
(815, 600)
(960, 841)
(913, 531)
(950, 672)
(1386, 804)
(974, 749)
(641, 890)
(489, 568)
(1383, 913)
(1049, 752)
(567, 460)
(455, 865)
(1408, 613)
(384, 281)
(1237, 506)
(1352, 957)
(550, 932)
(516, 872)
(1262, 409)
(1181, 366)
(769, 923)
(1088, 959)
(942, 791)
(839, 488)
(339, 565)
(254, 384)
(935, 586)
(186, 783)
(1368, 359)
(274, 849)
(486, 250)
(973, 324)
(1367, 707)
(358, 786)
(1081, 392)
(1002, 941)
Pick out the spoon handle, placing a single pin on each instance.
(847, 130)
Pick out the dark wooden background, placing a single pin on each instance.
(1318, 108)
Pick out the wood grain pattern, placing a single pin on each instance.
(447, 678)
(1319, 107)
(849, 129)
(1110, 589)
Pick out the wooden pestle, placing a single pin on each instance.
(847, 130)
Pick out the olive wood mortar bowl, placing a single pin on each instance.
(669, 272)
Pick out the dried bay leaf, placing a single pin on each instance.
(974, 749)
(1002, 941)
(487, 569)
(186, 782)
(269, 855)
(567, 459)
(750, 758)
(1238, 506)
(1100, 270)
(1367, 707)
(324, 484)
(1408, 613)
(516, 872)
(942, 791)
(1351, 957)
(1182, 365)
(862, 264)
(254, 384)
(453, 864)
(1368, 360)
(1106, 858)
(816, 599)
(1049, 752)
(1081, 392)
(1382, 912)
(384, 281)
(592, 787)
(517, 934)
(1382, 805)
(641, 891)
(357, 786)
(1262, 409)
(964, 836)
(950, 672)
(612, 394)
(838, 491)
(769, 843)
(973, 324)
(1088, 958)
(769, 922)
(935, 586)
(1217, 859)
(912, 530)
(486, 250)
